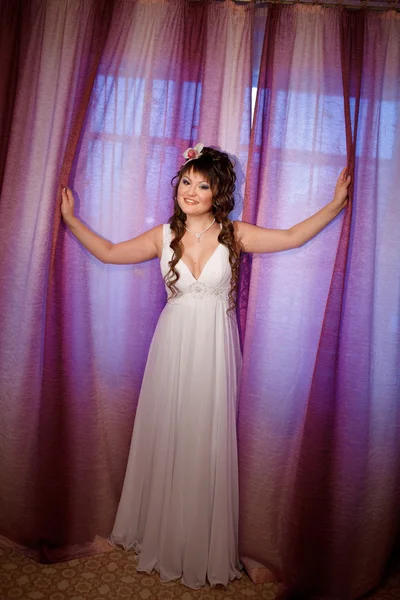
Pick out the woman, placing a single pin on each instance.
(179, 504)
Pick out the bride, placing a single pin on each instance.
(179, 503)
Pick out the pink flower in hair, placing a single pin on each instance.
(192, 153)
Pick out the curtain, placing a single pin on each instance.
(76, 332)
(106, 96)
(53, 48)
(318, 426)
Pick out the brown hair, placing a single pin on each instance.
(216, 168)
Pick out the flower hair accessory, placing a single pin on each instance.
(192, 153)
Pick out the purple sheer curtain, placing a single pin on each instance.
(53, 46)
(76, 332)
(318, 427)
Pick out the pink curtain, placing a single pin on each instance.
(53, 48)
(318, 427)
(107, 95)
(76, 332)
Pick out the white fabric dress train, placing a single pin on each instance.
(179, 503)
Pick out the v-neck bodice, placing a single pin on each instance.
(205, 265)
(214, 279)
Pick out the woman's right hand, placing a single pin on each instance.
(67, 205)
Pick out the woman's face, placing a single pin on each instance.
(194, 194)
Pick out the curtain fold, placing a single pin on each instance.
(331, 509)
(10, 30)
(55, 483)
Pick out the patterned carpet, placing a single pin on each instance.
(112, 576)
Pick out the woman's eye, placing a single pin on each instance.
(205, 187)
(185, 181)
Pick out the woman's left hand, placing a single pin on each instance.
(340, 198)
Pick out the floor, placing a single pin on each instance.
(112, 576)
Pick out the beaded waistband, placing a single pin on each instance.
(200, 291)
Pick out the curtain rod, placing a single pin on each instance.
(378, 5)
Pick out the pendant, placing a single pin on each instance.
(198, 237)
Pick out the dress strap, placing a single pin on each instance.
(166, 235)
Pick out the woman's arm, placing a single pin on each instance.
(258, 239)
(139, 249)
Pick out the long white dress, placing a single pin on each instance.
(179, 504)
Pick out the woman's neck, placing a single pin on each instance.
(199, 223)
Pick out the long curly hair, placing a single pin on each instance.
(217, 168)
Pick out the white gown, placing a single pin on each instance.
(179, 503)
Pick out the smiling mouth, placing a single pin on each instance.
(190, 201)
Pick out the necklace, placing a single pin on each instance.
(198, 235)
